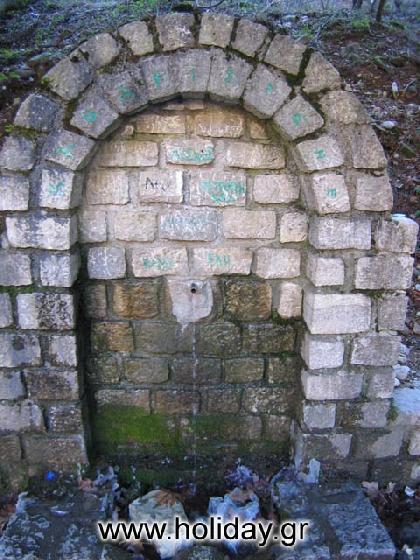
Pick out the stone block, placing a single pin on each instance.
(189, 152)
(159, 75)
(132, 225)
(15, 269)
(320, 75)
(336, 313)
(94, 301)
(58, 233)
(37, 112)
(191, 71)
(202, 371)
(117, 397)
(159, 262)
(267, 400)
(219, 339)
(277, 263)
(156, 337)
(375, 350)
(137, 300)
(216, 29)
(286, 54)
(161, 185)
(289, 300)
(398, 236)
(326, 193)
(6, 315)
(297, 118)
(319, 416)
(343, 107)
(265, 92)
(14, 192)
(194, 225)
(293, 227)
(94, 115)
(248, 300)
(153, 123)
(112, 337)
(320, 352)
(249, 37)
(11, 387)
(139, 371)
(221, 260)
(283, 369)
(340, 385)
(373, 193)
(65, 419)
(133, 153)
(55, 451)
(228, 76)
(249, 224)
(374, 446)
(254, 156)
(414, 443)
(366, 415)
(52, 384)
(226, 400)
(390, 272)
(68, 79)
(268, 338)
(381, 384)
(257, 129)
(244, 370)
(275, 189)
(327, 448)
(123, 92)
(69, 149)
(216, 188)
(322, 153)
(365, 148)
(103, 369)
(325, 271)
(392, 309)
(59, 270)
(190, 301)
(175, 31)
(60, 189)
(10, 445)
(176, 401)
(20, 417)
(92, 226)
(106, 263)
(62, 350)
(340, 233)
(19, 350)
(138, 37)
(100, 49)
(45, 311)
(219, 123)
(17, 153)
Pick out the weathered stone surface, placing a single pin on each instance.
(62, 350)
(389, 272)
(15, 269)
(222, 260)
(398, 236)
(123, 92)
(373, 446)
(244, 370)
(21, 416)
(157, 186)
(203, 371)
(414, 444)
(158, 72)
(191, 71)
(132, 225)
(277, 263)
(325, 271)
(69, 149)
(175, 31)
(336, 313)
(60, 189)
(228, 77)
(285, 53)
(52, 384)
(190, 301)
(19, 350)
(223, 400)
(265, 92)
(366, 150)
(106, 262)
(373, 193)
(249, 224)
(340, 233)
(267, 400)
(57, 451)
(10, 445)
(268, 338)
(14, 192)
(146, 370)
(327, 193)
(322, 153)
(248, 300)
(138, 37)
(94, 301)
(159, 261)
(249, 37)
(57, 233)
(254, 156)
(11, 387)
(216, 188)
(293, 227)
(283, 369)
(189, 152)
(215, 29)
(218, 123)
(381, 384)
(366, 415)
(375, 350)
(319, 416)
(289, 300)
(45, 311)
(100, 49)
(65, 418)
(135, 301)
(257, 129)
(176, 402)
(94, 115)
(219, 339)
(112, 337)
(103, 369)
(297, 118)
(92, 226)
(320, 75)
(275, 189)
(133, 153)
(6, 315)
(194, 225)
(321, 353)
(37, 112)
(17, 153)
(59, 270)
(341, 385)
(155, 337)
(392, 310)
(69, 78)
(153, 123)
(344, 108)
(107, 187)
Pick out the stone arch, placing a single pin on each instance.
(354, 299)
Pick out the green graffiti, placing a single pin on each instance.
(66, 151)
(193, 75)
(157, 79)
(320, 153)
(189, 155)
(229, 75)
(57, 189)
(159, 263)
(269, 88)
(215, 259)
(223, 192)
(297, 119)
(90, 116)
(332, 193)
(125, 93)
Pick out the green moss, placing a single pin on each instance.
(15, 290)
(392, 413)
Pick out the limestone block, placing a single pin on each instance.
(249, 37)
(194, 225)
(37, 112)
(15, 269)
(160, 185)
(320, 352)
(390, 272)
(375, 350)
(341, 385)
(158, 72)
(92, 226)
(138, 37)
(249, 224)
(134, 153)
(215, 29)
(159, 261)
(381, 384)
(59, 270)
(265, 92)
(106, 263)
(94, 115)
(228, 76)
(277, 263)
(222, 260)
(398, 236)
(254, 156)
(11, 387)
(60, 189)
(175, 31)
(340, 233)
(68, 79)
(365, 148)
(322, 153)
(289, 300)
(414, 444)
(367, 415)
(14, 192)
(343, 107)
(373, 193)
(325, 271)
(62, 350)
(392, 309)
(123, 92)
(112, 337)
(45, 311)
(65, 418)
(336, 313)
(326, 193)
(286, 54)
(191, 71)
(293, 227)
(189, 152)
(217, 188)
(132, 225)
(100, 49)
(58, 233)
(6, 315)
(55, 451)
(320, 75)
(17, 153)
(107, 187)
(153, 123)
(219, 123)
(319, 416)
(275, 189)
(297, 118)
(69, 149)
(21, 416)
(19, 350)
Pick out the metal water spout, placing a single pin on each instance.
(191, 299)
